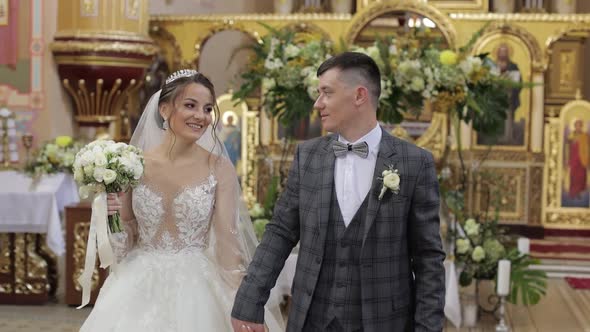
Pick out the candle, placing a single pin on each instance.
(503, 284)
(524, 245)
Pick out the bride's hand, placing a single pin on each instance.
(114, 203)
(243, 326)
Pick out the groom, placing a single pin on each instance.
(365, 264)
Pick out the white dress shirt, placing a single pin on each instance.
(353, 175)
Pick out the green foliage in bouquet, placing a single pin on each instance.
(418, 68)
(53, 157)
(284, 65)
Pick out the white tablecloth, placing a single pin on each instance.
(452, 304)
(24, 209)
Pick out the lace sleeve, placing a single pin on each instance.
(124, 241)
(225, 242)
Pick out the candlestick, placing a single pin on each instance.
(503, 284)
(501, 326)
(27, 140)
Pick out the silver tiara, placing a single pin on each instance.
(181, 73)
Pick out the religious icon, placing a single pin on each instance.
(231, 135)
(513, 132)
(576, 159)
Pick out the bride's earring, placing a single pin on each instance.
(165, 125)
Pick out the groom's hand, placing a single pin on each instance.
(243, 326)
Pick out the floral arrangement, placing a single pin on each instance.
(105, 166)
(416, 69)
(479, 242)
(284, 65)
(54, 157)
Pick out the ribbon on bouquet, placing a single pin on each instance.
(98, 239)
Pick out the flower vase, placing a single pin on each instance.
(341, 6)
(564, 6)
(283, 6)
(504, 6)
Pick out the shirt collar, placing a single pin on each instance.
(373, 138)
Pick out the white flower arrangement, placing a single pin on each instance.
(106, 166)
(391, 181)
(54, 157)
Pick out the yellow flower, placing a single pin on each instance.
(448, 57)
(63, 141)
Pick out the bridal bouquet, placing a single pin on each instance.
(107, 167)
(104, 167)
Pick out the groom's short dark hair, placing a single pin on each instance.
(361, 67)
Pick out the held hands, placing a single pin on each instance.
(114, 203)
(243, 326)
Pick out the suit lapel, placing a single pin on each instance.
(326, 184)
(385, 157)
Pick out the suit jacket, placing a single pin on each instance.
(402, 273)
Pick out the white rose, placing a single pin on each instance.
(109, 176)
(386, 173)
(86, 158)
(98, 174)
(391, 181)
(100, 160)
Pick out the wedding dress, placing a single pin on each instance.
(180, 259)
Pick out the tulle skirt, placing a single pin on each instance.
(159, 291)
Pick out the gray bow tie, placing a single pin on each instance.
(341, 149)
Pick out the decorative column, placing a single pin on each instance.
(102, 49)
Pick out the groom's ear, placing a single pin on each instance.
(361, 95)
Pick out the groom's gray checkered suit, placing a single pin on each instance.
(400, 265)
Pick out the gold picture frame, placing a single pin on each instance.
(524, 53)
(4, 12)
(559, 212)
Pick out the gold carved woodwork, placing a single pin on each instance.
(99, 46)
(362, 18)
(535, 195)
(169, 46)
(100, 106)
(30, 270)
(252, 141)
(5, 259)
(443, 5)
(564, 77)
(434, 138)
(555, 215)
(81, 231)
(512, 201)
(538, 63)
(225, 25)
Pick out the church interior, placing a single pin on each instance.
(512, 158)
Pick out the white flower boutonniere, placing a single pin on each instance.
(391, 180)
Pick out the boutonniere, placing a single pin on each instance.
(391, 180)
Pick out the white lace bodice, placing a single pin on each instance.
(173, 222)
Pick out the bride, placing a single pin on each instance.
(187, 238)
